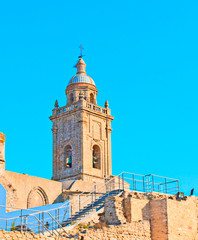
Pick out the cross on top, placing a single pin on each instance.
(81, 48)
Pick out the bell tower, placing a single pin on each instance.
(81, 132)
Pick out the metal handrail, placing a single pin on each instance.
(57, 223)
(25, 216)
(89, 214)
(25, 209)
(93, 192)
(133, 174)
(43, 225)
(85, 192)
(161, 177)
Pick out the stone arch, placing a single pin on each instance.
(96, 142)
(37, 197)
(11, 195)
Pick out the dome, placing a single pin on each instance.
(81, 78)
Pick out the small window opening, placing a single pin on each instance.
(71, 98)
(96, 157)
(68, 157)
(91, 98)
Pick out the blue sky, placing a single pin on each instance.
(143, 56)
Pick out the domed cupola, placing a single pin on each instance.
(81, 83)
(81, 76)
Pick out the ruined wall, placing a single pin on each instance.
(13, 235)
(30, 191)
(130, 231)
(196, 201)
(2, 167)
(173, 220)
(182, 219)
(158, 216)
(125, 208)
(114, 210)
(136, 209)
(169, 218)
(11, 195)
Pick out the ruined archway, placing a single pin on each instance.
(37, 197)
(11, 195)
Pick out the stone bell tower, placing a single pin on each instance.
(81, 132)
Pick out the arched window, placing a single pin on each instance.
(96, 157)
(91, 98)
(68, 156)
(71, 97)
(37, 197)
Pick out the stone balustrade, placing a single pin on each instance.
(77, 105)
(65, 109)
(96, 108)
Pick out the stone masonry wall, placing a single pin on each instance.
(158, 216)
(182, 219)
(124, 217)
(130, 231)
(14, 235)
(114, 211)
(170, 219)
(136, 209)
(19, 186)
(196, 201)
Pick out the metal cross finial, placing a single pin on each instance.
(81, 48)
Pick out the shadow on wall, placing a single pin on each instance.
(146, 212)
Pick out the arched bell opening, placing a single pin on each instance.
(91, 98)
(68, 156)
(96, 157)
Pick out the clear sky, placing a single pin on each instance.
(143, 56)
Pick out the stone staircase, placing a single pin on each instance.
(89, 209)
